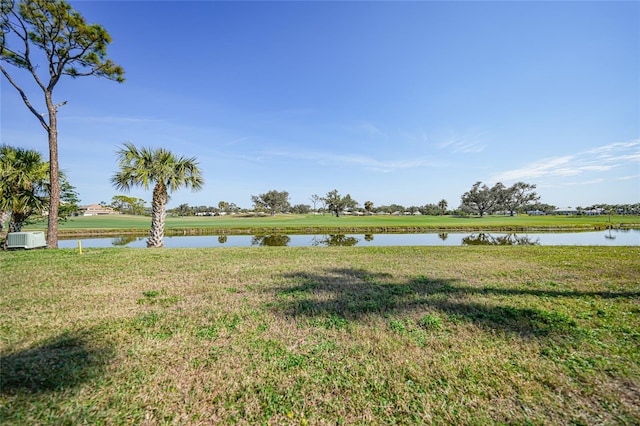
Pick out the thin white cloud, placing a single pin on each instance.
(471, 143)
(366, 128)
(361, 161)
(596, 160)
(637, 177)
(579, 182)
(467, 147)
(613, 147)
(419, 137)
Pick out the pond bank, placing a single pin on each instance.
(321, 230)
(626, 237)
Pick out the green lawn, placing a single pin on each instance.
(393, 335)
(319, 223)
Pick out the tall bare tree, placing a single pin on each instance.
(51, 33)
(315, 199)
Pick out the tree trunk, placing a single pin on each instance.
(16, 220)
(158, 213)
(3, 238)
(4, 215)
(54, 191)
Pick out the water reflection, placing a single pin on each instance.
(609, 237)
(337, 240)
(275, 240)
(124, 240)
(280, 240)
(485, 239)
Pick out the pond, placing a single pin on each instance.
(627, 237)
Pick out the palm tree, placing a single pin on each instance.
(443, 206)
(368, 206)
(162, 169)
(23, 185)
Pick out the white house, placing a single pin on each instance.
(95, 210)
(566, 211)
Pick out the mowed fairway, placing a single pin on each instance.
(431, 335)
(321, 223)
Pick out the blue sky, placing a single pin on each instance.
(392, 102)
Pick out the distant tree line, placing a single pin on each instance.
(480, 200)
(624, 209)
(127, 205)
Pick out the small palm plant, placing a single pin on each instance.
(23, 185)
(145, 167)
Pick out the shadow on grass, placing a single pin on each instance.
(549, 293)
(350, 294)
(61, 363)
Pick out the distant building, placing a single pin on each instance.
(566, 211)
(96, 210)
(594, 212)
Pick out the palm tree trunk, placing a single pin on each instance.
(158, 214)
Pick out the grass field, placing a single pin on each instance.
(404, 335)
(320, 223)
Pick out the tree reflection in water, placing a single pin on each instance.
(483, 239)
(334, 240)
(610, 237)
(124, 240)
(270, 240)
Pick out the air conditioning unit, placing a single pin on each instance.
(26, 240)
